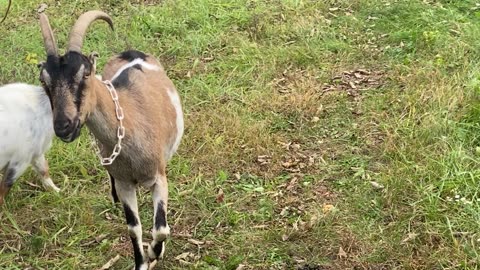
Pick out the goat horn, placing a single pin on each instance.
(80, 28)
(48, 38)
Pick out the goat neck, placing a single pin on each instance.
(102, 120)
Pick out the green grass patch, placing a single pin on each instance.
(342, 135)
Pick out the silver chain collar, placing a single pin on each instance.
(120, 130)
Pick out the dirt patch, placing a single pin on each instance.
(313, 267)
(148, 2)
(355, 81)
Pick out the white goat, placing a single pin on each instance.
(26, 133)
(147, 130)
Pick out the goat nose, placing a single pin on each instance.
(63, 125)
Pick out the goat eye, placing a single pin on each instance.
(86, 75)
(45, 86)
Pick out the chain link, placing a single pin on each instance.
(120, 130)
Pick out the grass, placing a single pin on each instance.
(343, 135)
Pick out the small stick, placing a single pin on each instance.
(152, 265)
(110, 263)
(6, 12)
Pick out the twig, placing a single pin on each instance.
(8, 10)
(97, 239)
(110, 263)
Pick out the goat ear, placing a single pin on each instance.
(41, 65)
(93, 57)
(93, 61)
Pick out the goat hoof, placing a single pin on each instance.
(53, 188)
(49, 185)
(142, 267)
(152, 251)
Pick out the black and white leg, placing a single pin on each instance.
(127, 195)
(10, 174)
(40, 165)
(114, 190)
(161, 230)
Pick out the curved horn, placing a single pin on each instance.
(48, 38)
(78, 31)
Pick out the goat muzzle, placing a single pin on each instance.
(67, 129)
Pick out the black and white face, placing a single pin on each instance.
(65, 79)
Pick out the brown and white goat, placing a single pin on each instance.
(153, 121)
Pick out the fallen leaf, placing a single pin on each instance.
(296, 146)
(220, 196)
(287, 145)
(289, 164)
(376, 185)
(181, 262)
(99, 238)
(42, 7)
(357, 75)
(327, 208)
(292, 183)
(299, 260)
(264, 159)
(363, 71)
(311, 161)
(293, 170)
(240, 267)
(32, 58)
(341, 253)
(196, 242)
(183, 256)
(410, 236)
